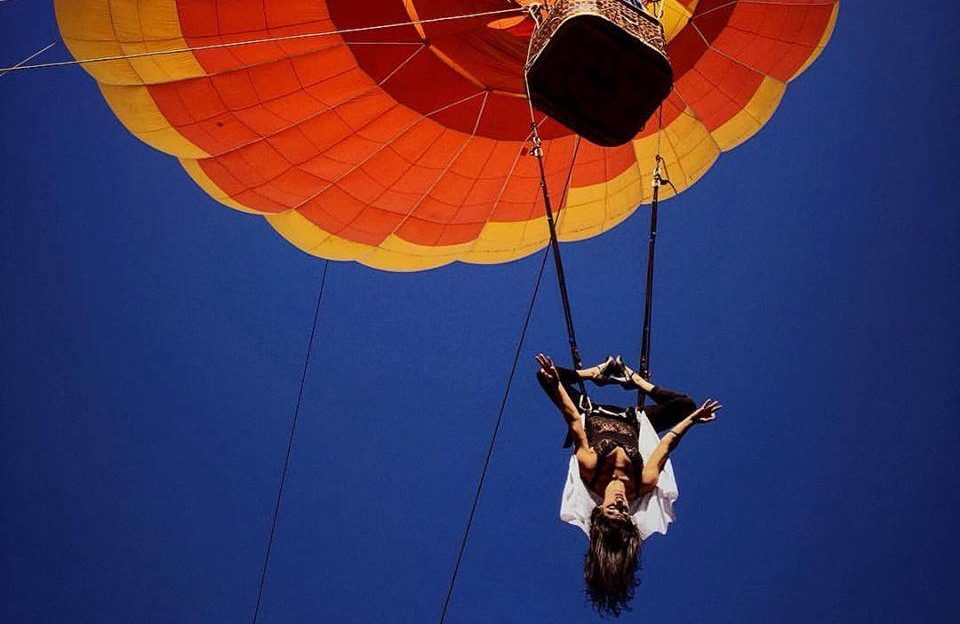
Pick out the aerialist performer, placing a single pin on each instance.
(620, 487)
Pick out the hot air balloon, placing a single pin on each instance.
(395, 133)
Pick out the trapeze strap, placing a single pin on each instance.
(599, 67)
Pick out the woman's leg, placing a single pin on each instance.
(593, 373)
(670, 407)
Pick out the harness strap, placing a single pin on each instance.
(658, 181)
(537, 152)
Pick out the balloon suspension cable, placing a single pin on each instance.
(658, 10)
(276, 39)
(492, 444)
(659, 179)
(4, 72)
(536, 151)
(503, 404)
(286, 459)
(535, 9)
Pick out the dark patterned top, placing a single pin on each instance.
(607, 430)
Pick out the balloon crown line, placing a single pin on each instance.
(235, 44)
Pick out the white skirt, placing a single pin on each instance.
(651, 513)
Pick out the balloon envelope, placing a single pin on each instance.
(406, 147)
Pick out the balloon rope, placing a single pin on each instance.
(4, 72)
(659, 10)
(235, 44)
(503, 405)
(493, 439)
(557, 259)
(537, 152)
(658, 181)
(286, 460)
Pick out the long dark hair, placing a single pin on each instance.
(610, 567)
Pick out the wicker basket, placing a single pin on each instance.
(599, 67)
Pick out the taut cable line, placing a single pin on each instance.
(659, 169)
(537, 152)
(4, 72)
(493, 439)
(503, 404)
(286, 460)
(236, 44)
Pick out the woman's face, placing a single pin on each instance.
(616, 510)
(615, 504)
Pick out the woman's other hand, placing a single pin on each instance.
(547, 374)
(706, 412)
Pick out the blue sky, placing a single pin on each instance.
(152, 341)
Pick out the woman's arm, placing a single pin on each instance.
(654, 464)
(549, 380)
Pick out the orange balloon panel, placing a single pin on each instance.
(406, 147)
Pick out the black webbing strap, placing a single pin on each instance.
(648, 295)
(537, 152)
(658, 181)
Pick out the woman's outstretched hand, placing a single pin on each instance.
(706, 412)
(547, 374)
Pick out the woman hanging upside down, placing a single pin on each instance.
(620, 487)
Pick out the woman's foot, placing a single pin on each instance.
(630, 377)
(612, 371)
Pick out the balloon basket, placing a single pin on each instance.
(599, 67)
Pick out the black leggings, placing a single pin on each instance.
(670, 407)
